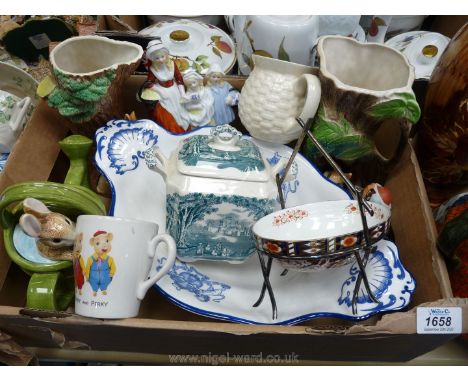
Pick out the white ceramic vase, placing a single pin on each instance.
(207, 19)
(289, 38)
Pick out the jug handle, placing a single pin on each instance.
(313, 94)
(157, 161)
(18, 117)
(230, 22)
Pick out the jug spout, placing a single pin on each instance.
(280, 66)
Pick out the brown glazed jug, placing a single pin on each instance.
(443, 134)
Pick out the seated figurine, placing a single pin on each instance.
(165, 85)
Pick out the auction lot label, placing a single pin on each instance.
(439, 320)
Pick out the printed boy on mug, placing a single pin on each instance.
(78, 263)
(100, 267)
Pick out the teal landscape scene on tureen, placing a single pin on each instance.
(213, 227)
(197, 150)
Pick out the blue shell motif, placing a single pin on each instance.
(186, 277)
(379, 274)
(127, 147)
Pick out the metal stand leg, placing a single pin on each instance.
(362, 277)
(266, 279)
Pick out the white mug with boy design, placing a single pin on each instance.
(114, 257)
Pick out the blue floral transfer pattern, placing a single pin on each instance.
(186, 277)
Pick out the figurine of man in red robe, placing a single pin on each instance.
(166, 85)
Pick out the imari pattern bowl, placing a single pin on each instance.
(317, 236)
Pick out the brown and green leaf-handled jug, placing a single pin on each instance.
(367, 105)
(87, 81)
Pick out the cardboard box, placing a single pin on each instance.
(121, 23)
(165, 329)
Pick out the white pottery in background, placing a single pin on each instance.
(16, 81)
(19, 84)
(411, 44)
(203, 46)
(207, 19)
(13, 115)
(404, 23)
(285, 37)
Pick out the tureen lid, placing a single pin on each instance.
(195, 45)
(223, 154)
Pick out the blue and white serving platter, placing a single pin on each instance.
(228, 291)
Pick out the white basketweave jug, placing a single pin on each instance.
(274, 95)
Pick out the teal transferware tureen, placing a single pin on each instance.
(218, 186)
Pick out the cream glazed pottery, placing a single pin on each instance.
(88, 77)
(367, 104)
(217, 186)
(274, 95)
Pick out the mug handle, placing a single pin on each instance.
(229, 19)
(171, 256)
(314, 92)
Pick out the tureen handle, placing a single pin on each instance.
(157, 161)
(19, 112)
(225, 137)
